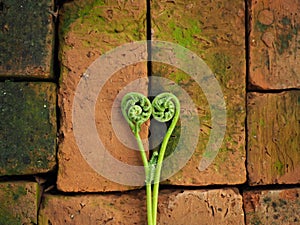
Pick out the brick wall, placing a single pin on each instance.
(49, 50)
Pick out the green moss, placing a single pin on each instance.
(21, 191)
(286, 21)
(220, 64)
(179, 76)
(267, 199)
(261, 27)
(255, 221)
(279, 167)
(185, 35)
(26, 44)
(16, 203)
(7, 218)
(76, 10)
(262, 122)
(28, 134)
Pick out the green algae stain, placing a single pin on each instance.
(279, 167)
(286, 33)
(261, 27)
(286, 21)
(7, 218)
(185, 36)
(220, 64)
(16, 203)
(78, 10)
(283, 43)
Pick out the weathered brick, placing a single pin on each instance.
(273, 138)
(206, 28)
(26, 38)
(274, 44)
(275, 207)
(28, 127)
(18, 203)
(89, 29)
(192, 207)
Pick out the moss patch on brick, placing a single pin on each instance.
(274, 41)
(87, 30)
(26, 38)
(272, 207)
(273, 140)
(28, 127)
(18, 203)
(206, 29)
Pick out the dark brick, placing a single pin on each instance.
(28, 127)
(26, 38)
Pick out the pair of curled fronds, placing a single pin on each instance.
(136, 109)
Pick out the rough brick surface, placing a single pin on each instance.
(207, 30)
(175, 207)
(275, 207)
(26, 38)
(218, 207)
(89, 29)
(274, 44)
(28, 128)
(18, 203)
(273, 138)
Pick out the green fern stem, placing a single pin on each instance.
(136, 109)
(165, 107)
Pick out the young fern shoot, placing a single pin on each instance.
(137, 109)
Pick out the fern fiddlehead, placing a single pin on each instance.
(136, 109)
(165, 107)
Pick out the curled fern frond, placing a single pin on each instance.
(165, 106)
(136, 109)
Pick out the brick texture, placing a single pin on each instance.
(273, 138)
(18, 203)
(274, 44)
(204, 207)
(26, 38)
(28, 128)
(206, 29)
(88, 30)
(272, 207)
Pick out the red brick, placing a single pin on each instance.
(193, 207)
(206, 28)
(272, 207)
(274, 41)
(18, 202)
(273, 138)
(89, 29)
